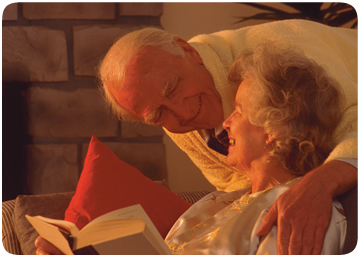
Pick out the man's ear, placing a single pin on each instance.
(189, 50)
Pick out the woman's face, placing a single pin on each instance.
(247, 141)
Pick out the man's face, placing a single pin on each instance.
(171, 91)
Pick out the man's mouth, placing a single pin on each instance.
(199, 106)
(198, 111)
(232, 141)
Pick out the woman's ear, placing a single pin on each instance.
(189, 50)
(271, 137)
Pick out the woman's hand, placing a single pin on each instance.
(304, 211)
(45, 248)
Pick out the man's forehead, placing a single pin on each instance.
(148, 76)
(150, 67)
(147, 57)
(138, 93)
(126, 96)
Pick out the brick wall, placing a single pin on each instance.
(51, 103)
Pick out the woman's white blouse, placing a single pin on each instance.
(226, 223)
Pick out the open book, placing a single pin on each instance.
(125, 231)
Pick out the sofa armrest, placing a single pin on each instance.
(9, 238)
(349, 202)
(192, 197)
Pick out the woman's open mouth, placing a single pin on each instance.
(232, 141)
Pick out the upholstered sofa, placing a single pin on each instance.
(18, 236)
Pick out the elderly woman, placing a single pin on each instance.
(286, 112)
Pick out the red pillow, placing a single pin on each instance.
(107, 183)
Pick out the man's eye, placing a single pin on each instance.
(171, 92)
(159, 116)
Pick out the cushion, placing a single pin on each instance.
(48, 205)
(107, 183)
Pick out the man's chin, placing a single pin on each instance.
(189, 128)
(182, 130)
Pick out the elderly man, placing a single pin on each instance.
(160, 79)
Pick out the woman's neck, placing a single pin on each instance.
(268, 176)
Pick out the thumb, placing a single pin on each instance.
(269, 221)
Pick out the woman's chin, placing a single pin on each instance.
(230, 161)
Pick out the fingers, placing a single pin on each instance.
(302, 214)
(284, 232)
(320, 233)
(305, 242)
(269, 221)
(291, 237)
(45, 248)
(302, 234)
(41, 252)
(314, 235)
(308, 236)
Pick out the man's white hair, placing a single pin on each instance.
(112, 68)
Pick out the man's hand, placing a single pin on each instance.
(304, 211)
(303, 216)
(45, 248)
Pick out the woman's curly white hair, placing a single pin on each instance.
(295, 99)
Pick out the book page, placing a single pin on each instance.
(120, 237)
(67, 225)
(134, 212)
(107, 230)
(131, 212)
(50, 233)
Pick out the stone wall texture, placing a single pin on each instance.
(51, 101)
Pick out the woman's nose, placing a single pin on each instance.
(226, 124)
